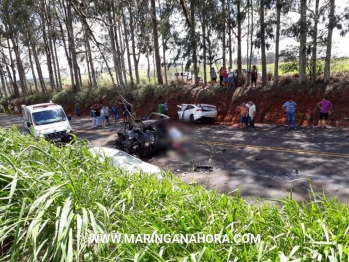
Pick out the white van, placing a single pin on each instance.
(48, 121)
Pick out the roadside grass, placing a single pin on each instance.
(52, 197)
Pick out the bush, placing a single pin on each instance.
(51, 198)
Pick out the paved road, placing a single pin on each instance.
(268, 162)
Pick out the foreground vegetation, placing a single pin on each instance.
(51, 198)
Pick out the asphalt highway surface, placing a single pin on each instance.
(269, 162)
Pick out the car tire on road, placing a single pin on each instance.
(191, 118)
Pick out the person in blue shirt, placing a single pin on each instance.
(290, 109)
(114, 110)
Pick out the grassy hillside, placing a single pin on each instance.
(52, 198)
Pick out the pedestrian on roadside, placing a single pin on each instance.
(252, 113)
(221, 78)
(114, 110)
(230, 78)
(213, 75)
(165, 109)
(102, 116)
(254, 74)
(325, 109)
(161, 109)
(243, 115)
(290, 109)
(93, 116)
(106, 111)
(16, 109)
(77, 109)
(98, 116)
(248, 120)
(225, 77)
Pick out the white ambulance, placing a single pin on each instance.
(48, 121)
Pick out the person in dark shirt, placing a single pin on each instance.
(254, 74)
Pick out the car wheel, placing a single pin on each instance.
(191, 118)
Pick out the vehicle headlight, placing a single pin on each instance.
(42, 135)
(68, 131)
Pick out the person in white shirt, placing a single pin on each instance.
(230, 78)
(252, 113)
(106, 114)
(248, 120)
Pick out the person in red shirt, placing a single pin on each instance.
(243, 115)
(225, 77)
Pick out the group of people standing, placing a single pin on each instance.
(100, 114)
(162, 108)
(290, 109)
(226, 77)
(248, 113)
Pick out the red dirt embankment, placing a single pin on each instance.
(269, 104)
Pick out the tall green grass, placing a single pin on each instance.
(51, 198)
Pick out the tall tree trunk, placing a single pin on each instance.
(38, 68)
(264, 61)
(204, 46)
(127, 50)
(52, 50)
(251, 41)
(121, 53)
(239, 20)
(57, 66)
(116, 52)
(13, 83)
(90, 61)
(314, 49)
(303, 42)
(67, 54)
(20, 68)
(3, 81)
(32, 68)
(13, 79)
(135, 61)
(329, 43)
(58, 73)
(223, 32)
(230, 47)
(156, 43)
(47, 50)
(193, 41)
(247, 41)
(277, 42)
(148, 71)
(72, 49)
(164, 57)
(87, 61)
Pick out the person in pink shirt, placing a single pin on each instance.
(325, 108)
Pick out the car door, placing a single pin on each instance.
(180, 111)
(188, 111)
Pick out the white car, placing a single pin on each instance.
(126, 161)
(194, 112)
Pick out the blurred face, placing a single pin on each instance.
(243, 104)
(324, 99)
